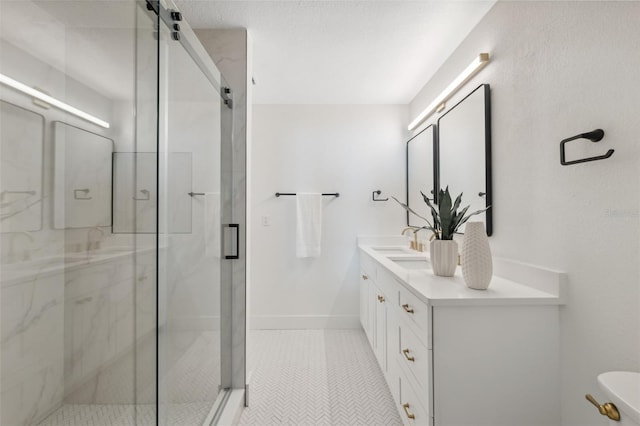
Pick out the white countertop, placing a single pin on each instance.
(14, 273)
(525, 284)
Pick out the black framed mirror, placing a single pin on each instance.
(463, 149)
(421, 172)
(82, 179)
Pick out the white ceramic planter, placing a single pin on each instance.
(444, 257)
(477, 264)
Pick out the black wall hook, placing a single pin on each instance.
(378, 192)
(593, 136)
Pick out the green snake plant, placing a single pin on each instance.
(446, 217)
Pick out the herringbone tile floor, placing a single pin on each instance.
(192, 388)
(316, 377)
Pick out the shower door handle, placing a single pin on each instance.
(237, 240)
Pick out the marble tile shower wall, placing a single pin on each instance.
(32, 347)
(68, 328)
(70, 335)
(100, 313)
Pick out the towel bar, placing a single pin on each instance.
(326, 194)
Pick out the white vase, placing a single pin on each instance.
(444, 257)
(477, 265)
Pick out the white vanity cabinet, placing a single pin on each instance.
(412, 356)
(460, 357)
(367, 280)
(364, 303)
(379, 315)
(374, 301)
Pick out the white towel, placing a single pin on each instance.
(212, 224)
(308, 225)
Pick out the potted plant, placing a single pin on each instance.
(445, 224)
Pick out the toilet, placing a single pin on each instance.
(622, 388)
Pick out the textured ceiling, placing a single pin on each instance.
(342, 52)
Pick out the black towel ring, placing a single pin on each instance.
(378, 192)
(594, 136)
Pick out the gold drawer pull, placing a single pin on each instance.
(364, 277)
(407, 308)
(406, 411)
(380, 299)
(406, 355)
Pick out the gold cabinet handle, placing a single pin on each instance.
(380, 299)
(364, 277)
(406, 355)
(407, 308)
(607, 409)
(406, 411)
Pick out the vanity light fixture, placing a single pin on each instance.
(51, 100)
(438, 103)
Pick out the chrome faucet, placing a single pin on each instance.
(94, 245)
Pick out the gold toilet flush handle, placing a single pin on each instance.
(607, 409)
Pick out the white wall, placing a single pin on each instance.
(559, 69)
(350, 149)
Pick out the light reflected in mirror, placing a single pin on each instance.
(21, 151)
(82, 179)
(464, 153)
(420, 173)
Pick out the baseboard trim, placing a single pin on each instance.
(303, 322)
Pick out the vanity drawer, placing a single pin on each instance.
(389, 286)
(368, 267)
(415, 357)
(418, 313)
(412, 411)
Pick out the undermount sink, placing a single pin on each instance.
(391, 250)
(67, 259)
(112, 250)
(411, 263)
(44, 262)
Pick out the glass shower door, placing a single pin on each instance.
(190, 241)
(113, 288)
(78, 101)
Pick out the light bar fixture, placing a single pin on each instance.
(438, 103)
(51, 100)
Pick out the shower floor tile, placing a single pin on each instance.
(187, 414)
(316, 377)
(101, 415)
(192, 388)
